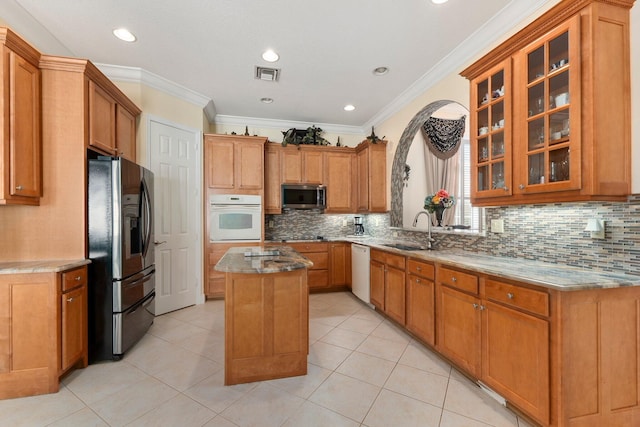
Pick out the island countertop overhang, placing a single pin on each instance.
(262, 260)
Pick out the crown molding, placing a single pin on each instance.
(492, 31)
(286, 124)
(147, 78)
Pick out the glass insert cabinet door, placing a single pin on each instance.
(548, 153)
(491, 132)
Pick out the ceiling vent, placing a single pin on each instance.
(267, 74)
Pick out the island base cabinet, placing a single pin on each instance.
(266, 326)
(599, 353)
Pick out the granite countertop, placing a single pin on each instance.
(262, 259)
(545, 274)
(548, 275)
(40, 266)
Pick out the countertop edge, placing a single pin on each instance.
(41, 266)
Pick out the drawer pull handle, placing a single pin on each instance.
(78, 278)
(454, 279)
(419, 268)
(510, 295)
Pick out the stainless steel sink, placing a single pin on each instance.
(404, 246)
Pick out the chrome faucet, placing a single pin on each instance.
(430, 240)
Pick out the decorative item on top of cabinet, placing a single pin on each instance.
(21, 154)
(371, 175)
(234, 164)
(570, 74)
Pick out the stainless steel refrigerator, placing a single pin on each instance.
(121, 249)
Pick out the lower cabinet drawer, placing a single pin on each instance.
(320, 260)
(516, 296)
(74, 278)
(458, 279)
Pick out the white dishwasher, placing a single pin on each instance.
(360, 272)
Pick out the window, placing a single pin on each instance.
(465, 213)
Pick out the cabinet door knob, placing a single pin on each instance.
(419, 268)
(482, 307)
(454, 279)
(510, 295)
(417, 280)
(70, 299)
(78, 278)
(19, 187)
(521, 186)
(506, 188)
(475, 305)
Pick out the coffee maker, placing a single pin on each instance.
(359, 227)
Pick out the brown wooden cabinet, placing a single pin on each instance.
(498, 332)
(340, 265)
(214, 280)
(46, 335)
(302, 165)
(421, 300)
(73, 300)
(272, 190)
(538, 102)
(387, 281)
(20, 142)
(371, 177)
(125, 133)
(266, 326)
(234, 164)
(318, 252)
(338, 177)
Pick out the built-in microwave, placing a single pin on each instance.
(296, 196)
(235, 217)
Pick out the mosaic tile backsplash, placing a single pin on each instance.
(550, 233)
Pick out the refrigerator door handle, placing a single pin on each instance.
(146, 215)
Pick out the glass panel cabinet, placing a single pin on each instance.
(548, 77)
(490, 126)
(550, 109)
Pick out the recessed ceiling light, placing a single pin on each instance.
(124, 35)
(380, 71)
(439, 1)
(266, 100)
(270, 56)
(349, 107)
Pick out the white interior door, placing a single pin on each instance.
(174, 152)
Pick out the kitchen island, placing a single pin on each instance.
(266, 313)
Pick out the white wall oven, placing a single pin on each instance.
(235, 217)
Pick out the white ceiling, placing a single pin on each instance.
(327, 48)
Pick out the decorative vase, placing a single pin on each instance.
(439, 210)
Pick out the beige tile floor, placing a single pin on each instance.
(363, 371)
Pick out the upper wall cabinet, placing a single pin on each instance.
(234, 164)
(108, 116)
(551, 108)
(21, 144)
(371, 170)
